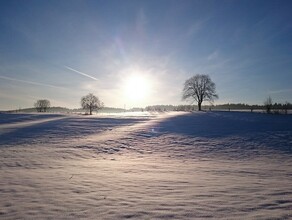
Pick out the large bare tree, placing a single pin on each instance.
(91, 102)
(42, 105)
(199, 88)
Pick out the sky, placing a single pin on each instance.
(63, 50)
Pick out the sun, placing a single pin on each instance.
(136, 88)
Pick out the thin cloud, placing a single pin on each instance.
(194, 28)
(81, 73)
(30, 82)
(197, 26)
(213, 55)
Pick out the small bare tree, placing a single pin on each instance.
(42, 105)
(91, 102)
(199, 88)
(286, 107)
(268, 104)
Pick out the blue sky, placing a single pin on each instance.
(62, 50)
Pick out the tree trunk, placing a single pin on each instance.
(90, 111)
(199, 106)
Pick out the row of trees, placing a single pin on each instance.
(275, 107)
(201, 88)
(89, 102)
(198, 88)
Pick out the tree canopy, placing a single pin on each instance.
(91, 102)
(42, 105)
(199, 88)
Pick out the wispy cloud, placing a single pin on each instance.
(213, 55)
(30, 82)
(196, 26)
(81, 73)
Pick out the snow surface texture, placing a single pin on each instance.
(215, 165)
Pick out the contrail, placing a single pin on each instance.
(29, 82)
(83, 74)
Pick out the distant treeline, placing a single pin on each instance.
(67, 110)
(243, 106)
(163, 108)
(159, 108)
(50, 109)
(228, 106)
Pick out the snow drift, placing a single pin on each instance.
(217, 165)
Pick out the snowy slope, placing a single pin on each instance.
(216, 165)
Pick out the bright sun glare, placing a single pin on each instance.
(136, 88)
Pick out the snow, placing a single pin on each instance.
(216, 165)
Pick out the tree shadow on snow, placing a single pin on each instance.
(63, 128)
(264, 129)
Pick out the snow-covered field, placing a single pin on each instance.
(215, 165)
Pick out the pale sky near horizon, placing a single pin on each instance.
(63, 50)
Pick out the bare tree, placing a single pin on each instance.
(286, 107)
(199, 88)
(91, 103)
(42, 105)
(268, 104)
